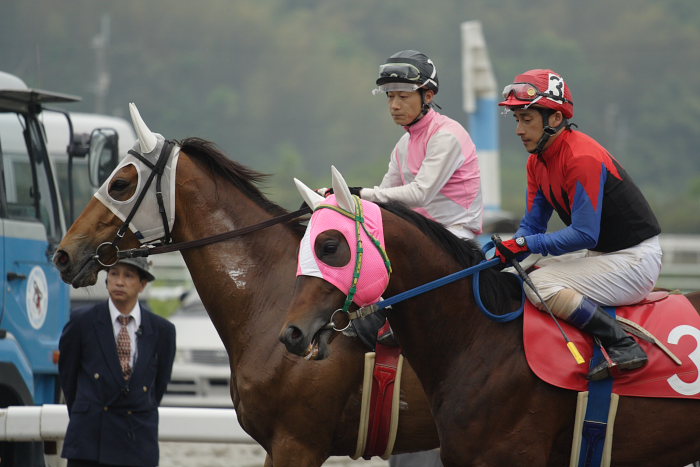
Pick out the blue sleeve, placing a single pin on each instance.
(584, 230)
(536, 218)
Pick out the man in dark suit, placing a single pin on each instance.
(115, 363)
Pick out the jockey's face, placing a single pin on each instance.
(405, 106)
(530, 127)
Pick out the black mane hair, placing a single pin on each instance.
(497, 289)
(466, 252)
(242, 177)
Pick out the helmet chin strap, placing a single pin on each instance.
(425, 107)
(549, 131)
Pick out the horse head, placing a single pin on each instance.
(124, 212)
(342, 264)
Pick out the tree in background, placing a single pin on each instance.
(284, 85)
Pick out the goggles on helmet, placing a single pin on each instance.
(398, 87)
(529, 92)
(399, 71)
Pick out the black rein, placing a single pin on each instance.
(157, 172)
(146, 251)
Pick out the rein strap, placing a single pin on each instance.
(146, 251)
(421, 289)
(427, 287)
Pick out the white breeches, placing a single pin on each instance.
(612, 279)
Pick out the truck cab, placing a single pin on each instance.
(34, 300)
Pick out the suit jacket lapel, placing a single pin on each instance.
(105, 337)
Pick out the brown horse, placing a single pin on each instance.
(301, 412)
(489, 407)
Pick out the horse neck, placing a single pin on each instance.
(241, 281)
(444, 322)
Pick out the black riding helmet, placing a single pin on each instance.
(409, 67)
(408, 70)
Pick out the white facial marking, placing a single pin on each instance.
(238, 276)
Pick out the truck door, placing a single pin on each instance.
(31, 225)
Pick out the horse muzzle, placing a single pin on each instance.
(77, 273)
(315, 347)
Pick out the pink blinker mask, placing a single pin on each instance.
(332, 213)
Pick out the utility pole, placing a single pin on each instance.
(100, 43)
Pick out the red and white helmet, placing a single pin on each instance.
(543, 88)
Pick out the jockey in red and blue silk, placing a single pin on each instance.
(609, 252)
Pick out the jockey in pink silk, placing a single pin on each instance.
(433, 168)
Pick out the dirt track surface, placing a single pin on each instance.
(235, 455)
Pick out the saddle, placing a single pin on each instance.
(674, 366)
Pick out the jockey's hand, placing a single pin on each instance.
(508, 250)
(326, 192)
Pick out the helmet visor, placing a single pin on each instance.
(529, 92)
(396, 87)
(404, 71)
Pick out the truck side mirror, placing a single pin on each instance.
(103, 154)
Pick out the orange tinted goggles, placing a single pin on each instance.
(529, 92)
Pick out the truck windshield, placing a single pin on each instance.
(28, 187)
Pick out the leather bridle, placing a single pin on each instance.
(112, 248)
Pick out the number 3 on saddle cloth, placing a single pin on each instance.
(672, 319)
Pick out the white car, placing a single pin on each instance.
(201, 373)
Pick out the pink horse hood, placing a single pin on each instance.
(374, 276)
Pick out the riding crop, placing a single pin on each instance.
(569, 344)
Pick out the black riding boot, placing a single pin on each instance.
(624, 351)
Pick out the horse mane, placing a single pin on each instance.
(242, 177)
(498, 289)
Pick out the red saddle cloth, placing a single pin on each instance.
(670, 318)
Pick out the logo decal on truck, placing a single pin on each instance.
(37, 297)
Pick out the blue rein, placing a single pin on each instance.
(421, 289)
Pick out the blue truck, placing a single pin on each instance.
(35, 302)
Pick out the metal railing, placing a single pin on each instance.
(681, 262)
(181, 424)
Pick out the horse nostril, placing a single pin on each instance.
(291, 337)
(61, 259)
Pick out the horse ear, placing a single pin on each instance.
(311, 198)
(342, 192)
(147, 139)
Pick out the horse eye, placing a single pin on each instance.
(119, 184)
(332, 249)
(329, 247)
